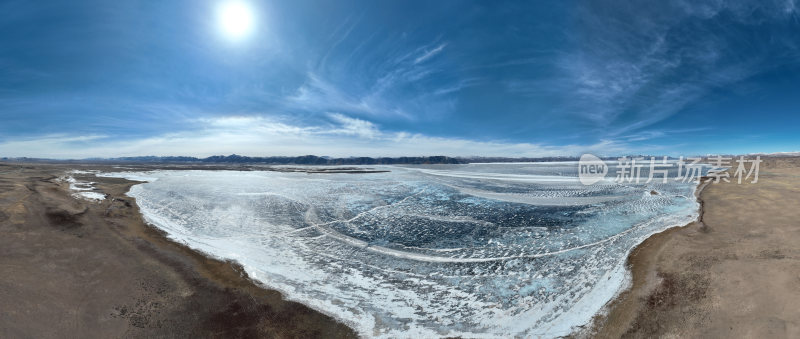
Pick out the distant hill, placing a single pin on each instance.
(308, 160)
(509, 159)
(240, 159)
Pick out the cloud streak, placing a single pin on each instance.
(430, 53)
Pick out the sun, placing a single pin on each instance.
(236, 19)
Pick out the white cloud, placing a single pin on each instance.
(318, 94)
(353, 126)
(258, 136)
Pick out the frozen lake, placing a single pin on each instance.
(479, 250)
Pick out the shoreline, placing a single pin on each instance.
(731, 273)
(254, 286)
(229, 273)
(617, 313)
(223, 271)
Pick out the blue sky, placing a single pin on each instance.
(368, 78)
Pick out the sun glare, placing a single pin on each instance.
(235, 19)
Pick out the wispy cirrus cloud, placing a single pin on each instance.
(318, 94)
(388, 91)
(430, 53)
(633, 65)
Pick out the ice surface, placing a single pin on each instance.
(83, 189)
(75, 171)
(490, 250)
(90, 195)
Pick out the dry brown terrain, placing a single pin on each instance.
(71, 268)
(736, 274)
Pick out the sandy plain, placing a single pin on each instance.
(733, 274)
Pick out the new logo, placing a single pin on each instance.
(591, 169)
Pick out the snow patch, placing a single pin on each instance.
(83, 189)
